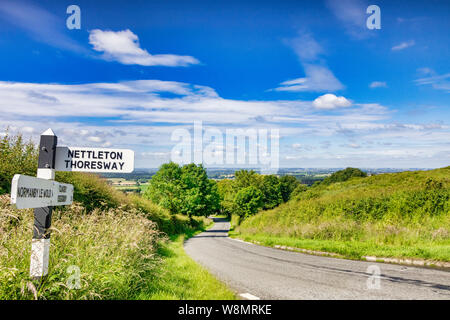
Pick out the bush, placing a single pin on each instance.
(344, 175)
(16, 157)
(91, 191)
(287, 186)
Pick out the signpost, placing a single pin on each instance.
(42, 193)
(30, 192)
(94, 159)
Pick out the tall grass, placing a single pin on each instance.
(405, 214)
(114, 239)
(113, 250)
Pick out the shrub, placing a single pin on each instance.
(16, 157)
(287, 186)
(91, 191)
(344, 175)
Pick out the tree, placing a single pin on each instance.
(271, 192)
(165, 189)
(287, 186)
(200, 195)
(245, 178)
(227, 195)
(248, 201)
(185, 190)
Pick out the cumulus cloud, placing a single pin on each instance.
(403, 45)
(123, 46)
(330, 101)
(378, 84)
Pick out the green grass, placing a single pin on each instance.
(119, 242)
(179, 277)
(355, 249)
(113, 249)
(120, 253)
(392, 215)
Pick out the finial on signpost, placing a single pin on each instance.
(48, 132)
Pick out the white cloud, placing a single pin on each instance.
(306, 47)
(144, 120)
(318, 77)
(378, 84)
(330, 101)
(352, 15)
(123, 46)
(438, 82)
(27, 129)
(403, 45)
(42, 25)
(95, 139)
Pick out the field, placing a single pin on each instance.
(127, 185)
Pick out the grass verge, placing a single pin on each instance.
(354, 249)
(120, 254)
(178, 277)
(400, 215)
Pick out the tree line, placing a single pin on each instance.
(188, 190)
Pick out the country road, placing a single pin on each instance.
(260, 272)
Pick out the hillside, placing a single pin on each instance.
(403, 214)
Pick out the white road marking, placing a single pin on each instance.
(249, 296)
(242, 241)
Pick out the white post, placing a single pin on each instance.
(40, 246)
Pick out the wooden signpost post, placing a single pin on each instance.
(43, 193)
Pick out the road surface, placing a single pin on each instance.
(255, 271)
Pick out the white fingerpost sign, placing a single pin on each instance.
(30, 192)
(94, 159)
(42, 193)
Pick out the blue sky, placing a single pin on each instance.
(340, 94)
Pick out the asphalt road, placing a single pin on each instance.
(260, 272)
